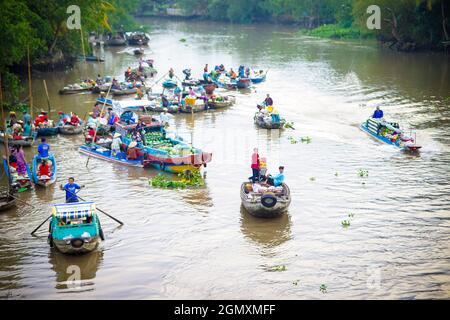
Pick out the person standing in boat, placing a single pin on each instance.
(20, 158)
(164, 118)
(43, 149)
(205, 69)
(255, 166)
(378, 113)
(171, 73)
(71, 188)
(115, 145)
(26, 117)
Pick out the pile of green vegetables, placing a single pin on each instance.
(188, 179)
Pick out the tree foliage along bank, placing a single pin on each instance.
(405, 24)
(41, 27)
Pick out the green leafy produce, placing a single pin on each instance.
(278, 268)
(188, 179)
(363, 173)
(345, 223)
(289, 125)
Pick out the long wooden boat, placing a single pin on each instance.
(18, 182)
(24, 141)
(230, 84)
(192, 105)
(123, 92)
(7, 202)
(44, 181)
(137, 38)
(267, 204)
(166, 154)
(68, 129)
(389, 133)
(75, 228)
(269, 122)
(91, 58)
(98, 152)
(72, 89)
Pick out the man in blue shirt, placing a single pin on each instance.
(278, 179)
(43, 149)
(378, 114)
(71, 189)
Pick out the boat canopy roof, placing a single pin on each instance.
(75, 210)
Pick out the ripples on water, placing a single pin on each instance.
(201, 244)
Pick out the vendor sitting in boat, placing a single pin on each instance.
(74, 120)
(268, 102)
(277, 180)
(378, 113)
(132, 151)
(44, 169)
(71, 189)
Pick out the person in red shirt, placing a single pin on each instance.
(255, 166)
(74, 120)
(44, 169)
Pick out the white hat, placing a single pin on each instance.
(132, 144)
(116, 135)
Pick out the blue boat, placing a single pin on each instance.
(44, 181)
(18, 182)
(258, 78)
(232, 84)
(99, 152)
(389, 133)
(75, 228)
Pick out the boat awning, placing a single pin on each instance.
(76, 210)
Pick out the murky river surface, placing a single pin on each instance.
(199, 243)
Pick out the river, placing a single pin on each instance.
(192, 244)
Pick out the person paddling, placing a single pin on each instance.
(71, 188)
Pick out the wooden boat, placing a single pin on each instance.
(68, 129)
(99, 152)
(269, 122)
(124, 91)
(231, 84)
(7, 202)
(166, 154)
(117, 40)
(75, 228)
(137, 38)
(192, 105)
(76, 88)
(258, 76)
(389, 133)
(221, 102)
(16, 181)
(44, 181)
(24, 141)
(267, 204)
(243, 83)
(91, 58)
(47, 131)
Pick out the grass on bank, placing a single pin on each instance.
(335, 31)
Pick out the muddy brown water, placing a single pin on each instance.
(200, 243)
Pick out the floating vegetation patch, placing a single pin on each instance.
(305, 139)
(363, 173)
(289, 125)
(188, 180)
(292, 140)
(278, 268)
(323, 288)
(183, 40)
(295, 282)
(312, 179)
(345, 223)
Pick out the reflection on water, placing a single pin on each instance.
(196, 243)
(266, 233)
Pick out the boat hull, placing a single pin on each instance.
(70, 130)
(26, 142)
(7, 203)
(256, 208)
(47, 131)
(107, 157)
(269, 125)
(396, 144)
(123, 92)
(68, 248)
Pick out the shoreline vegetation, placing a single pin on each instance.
(40, 29)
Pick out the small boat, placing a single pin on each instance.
(91, 58)
(124, 91)
(389, 133)
(7, 202)
(44, 181)
(219, 102)
(75, 228)
(53, 131)
(192, 104)
(99, 152)
(233, 84)
(68, 129)
(170, 84)
(24, 141)
(137, 38)
(266, 204)
(76, 88)
(258, 76)
(117, 40)
(272, 121)
(16, 181)
(243, 83)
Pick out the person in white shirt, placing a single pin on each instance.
(165, 117)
